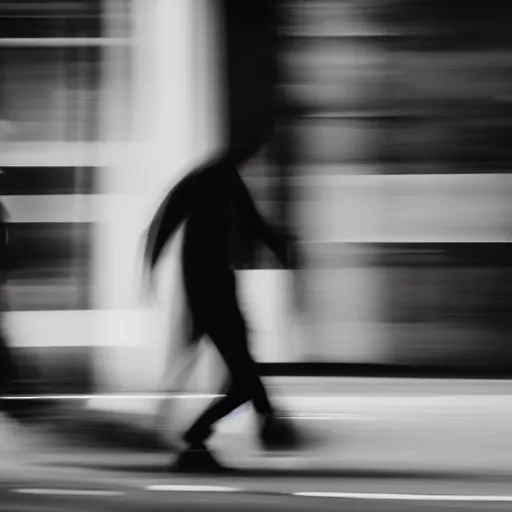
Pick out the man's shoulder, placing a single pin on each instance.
(4, 214)
(218, 163)
(210, 172)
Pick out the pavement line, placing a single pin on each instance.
(68, 492)
(406, 497)
(109, 397)
(348, 399)
(190, 488)
(323, 417)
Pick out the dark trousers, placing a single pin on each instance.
(8, 367)
(218, 315)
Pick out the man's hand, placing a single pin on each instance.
(293, 255)
(299, 292)
(147, 286)
(147, 271)
(295, 265)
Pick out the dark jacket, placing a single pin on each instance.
(217, 209)
(5, 260)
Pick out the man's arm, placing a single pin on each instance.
(171, 213)
(4, 243)
(277, 242)
(282, 245)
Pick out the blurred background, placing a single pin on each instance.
(389, 161)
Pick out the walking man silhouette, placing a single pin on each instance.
(9, 373)
(12, 376)
(214, 204)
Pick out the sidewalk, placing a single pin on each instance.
(354, 424)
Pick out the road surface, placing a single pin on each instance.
(99, 481)
(402, 446)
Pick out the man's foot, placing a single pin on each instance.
(21, 411)
(278, 433)
(15, 404)
(197, 459)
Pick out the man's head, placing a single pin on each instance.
(242, 153)
(247, 141)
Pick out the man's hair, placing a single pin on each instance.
(244, 144)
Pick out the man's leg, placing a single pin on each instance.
(8, 368)
(245, 385)
(183, 352)
(10, 375)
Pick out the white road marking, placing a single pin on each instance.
(109, 397)
(467, 498)
(191, 488)
(68, 492)
(406, 497)
(324, 417)
(347, 401)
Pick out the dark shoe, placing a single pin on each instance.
(198, 459)
(197, 435)
(278, 433)
(21, 411)
(15, 404)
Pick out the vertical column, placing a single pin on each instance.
(334, 70)
(173, 103)
(209, 133)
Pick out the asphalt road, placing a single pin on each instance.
(429, 450)
(31, 496)
(100, 481)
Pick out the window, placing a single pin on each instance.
(52, 56)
